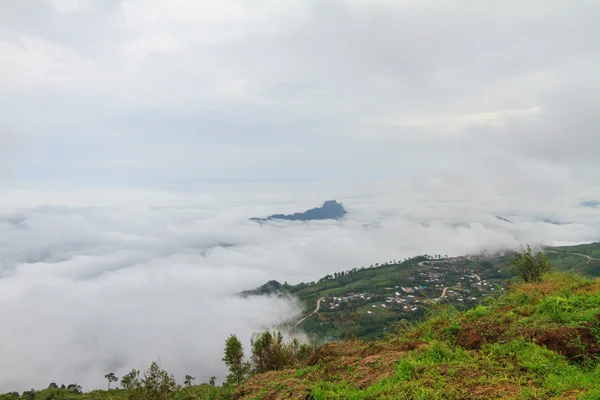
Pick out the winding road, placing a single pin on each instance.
(312, 313)
(443, 293)
(575, 254)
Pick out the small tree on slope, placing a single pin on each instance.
(234, 359)
(530, 268)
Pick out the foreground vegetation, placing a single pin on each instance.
(541, 340)
(538, 339)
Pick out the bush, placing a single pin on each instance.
(270, 352)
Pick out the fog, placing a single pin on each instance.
(137, 138)
(99, 280)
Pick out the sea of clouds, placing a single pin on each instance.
(100, 280)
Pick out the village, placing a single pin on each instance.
(435, 281)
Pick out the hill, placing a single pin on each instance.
(537, 341)
(331, 209)
(590, 203)
(362, 302)
(516, 341)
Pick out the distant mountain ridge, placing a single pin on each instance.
(590, 203)
(331, 209)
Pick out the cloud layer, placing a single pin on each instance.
(103, 280)
(427, 118)
(331, 89)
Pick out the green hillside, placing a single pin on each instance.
(363, 302)
(537, 341)
(573, 258)
(534, 341)
(425, 328)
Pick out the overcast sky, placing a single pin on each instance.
(147, 91)
(138, 136)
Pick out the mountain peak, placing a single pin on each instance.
(331, 209)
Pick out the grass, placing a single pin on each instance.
(538, 341)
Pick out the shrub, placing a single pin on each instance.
(270, 352)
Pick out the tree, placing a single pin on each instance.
(188, 380)
(234, 360)
(111, 377)
(53, 386)
(28, 395)
(270, 352)
(212, 380)
(75, 388)
(157, 383)
(530, 268)
(131, 380)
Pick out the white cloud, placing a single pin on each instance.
(99, 280)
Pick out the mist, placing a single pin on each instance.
(138, 137)
(104, 280)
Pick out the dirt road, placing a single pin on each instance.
(312, 313)
(443, 293)
(575, 254)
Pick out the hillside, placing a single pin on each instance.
(362, 302)
(516, 341)
(537, 341)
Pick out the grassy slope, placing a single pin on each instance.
(388, 275)
(539, 341)
(344, 321)
(566, 260)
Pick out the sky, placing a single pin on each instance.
(138, 136)
(146, 91)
